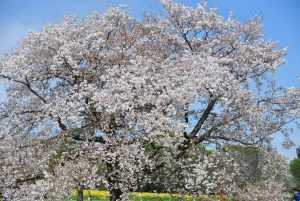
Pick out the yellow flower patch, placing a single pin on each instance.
(102, 193)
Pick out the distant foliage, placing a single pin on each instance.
(295, 168)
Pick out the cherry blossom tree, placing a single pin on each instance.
(111, 99)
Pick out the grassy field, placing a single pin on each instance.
(98, 195)
(104, 196)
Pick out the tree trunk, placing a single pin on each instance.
(80, 193)
(115, 194)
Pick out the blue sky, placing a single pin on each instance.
(281, 21)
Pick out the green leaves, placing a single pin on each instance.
(295, 168)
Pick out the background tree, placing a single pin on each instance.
(295, 168)
(109, 85)
(250, 161)
(198, 170)
(261, 172)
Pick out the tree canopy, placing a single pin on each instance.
(111, 100)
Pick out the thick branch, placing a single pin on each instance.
(202, 119)
(206, 135)
(187, 41)
(98, 139)
(61, 125)
(29, 179)
(186, 113)
(28, 112)
(33, 91)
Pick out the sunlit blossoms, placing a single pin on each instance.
(110, 100)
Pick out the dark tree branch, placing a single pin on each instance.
(186, 113)
(187, 41)
(98, 139)
(204, 116)
(61, 125)
(28, 112)
(33, 91)
(206, 135)
(28, 85)
(29, 179)
(231, 139)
